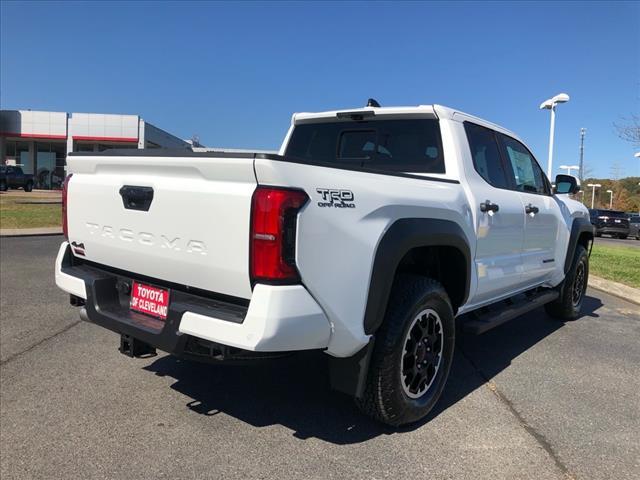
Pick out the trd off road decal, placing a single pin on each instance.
(336, 198)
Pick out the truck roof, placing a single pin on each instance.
(425, 111)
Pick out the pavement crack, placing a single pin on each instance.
(537, 436)
(37, 344)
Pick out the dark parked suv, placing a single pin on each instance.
(610, 222)
(634, 226)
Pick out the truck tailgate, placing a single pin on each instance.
(195, 231)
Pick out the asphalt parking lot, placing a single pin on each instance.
(532, 399)
(618, 242)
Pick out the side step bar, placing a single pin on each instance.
(486, 318)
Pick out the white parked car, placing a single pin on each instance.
(366, 236)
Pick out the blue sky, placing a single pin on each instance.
(233, 73)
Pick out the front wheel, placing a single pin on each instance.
(28, 186)
(622, 237)
(568, 305)
(3, 186)
(412, 354)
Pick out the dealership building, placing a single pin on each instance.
(39, 141)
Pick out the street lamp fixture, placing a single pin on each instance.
(568, 168)
(550, 104)
(610, 192)
(593, 193)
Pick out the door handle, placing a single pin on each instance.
(487, 206)
(530, 209)
(136, 198)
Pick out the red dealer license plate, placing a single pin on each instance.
(150, 300)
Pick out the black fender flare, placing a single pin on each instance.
(578, 227)
(349, 375)
(401, 237)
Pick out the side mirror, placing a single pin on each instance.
(566, 184)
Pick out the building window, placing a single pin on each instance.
(17, 153)
(50, 161)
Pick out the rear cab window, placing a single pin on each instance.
(611, 213)
(408, 146)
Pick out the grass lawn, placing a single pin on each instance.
(16, 215)
(620, 264)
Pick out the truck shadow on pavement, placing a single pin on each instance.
(294, 391)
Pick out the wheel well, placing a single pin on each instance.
(585, 239)
(445, 264)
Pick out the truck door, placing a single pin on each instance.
(542, 213)
(498, 216)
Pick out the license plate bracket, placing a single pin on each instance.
(150, 300)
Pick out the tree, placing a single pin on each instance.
(622, 200)
(629, 130)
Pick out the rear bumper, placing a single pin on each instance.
(276, 319)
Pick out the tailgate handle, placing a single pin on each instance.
(136, 198)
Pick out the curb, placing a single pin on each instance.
(616, 289)
(30, 232)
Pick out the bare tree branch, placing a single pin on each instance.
(629, 130)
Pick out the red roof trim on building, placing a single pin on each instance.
(83, 138)
(34, 135)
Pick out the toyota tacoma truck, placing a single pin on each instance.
(372, 235)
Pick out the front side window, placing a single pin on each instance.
(528, 176)
(486, 155)
(412, 145)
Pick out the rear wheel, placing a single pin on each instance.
(28, 186)
(622, 237)
(3, 186)
(412, 354)
(568, 305)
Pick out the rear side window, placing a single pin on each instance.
(391, 145)
(486, 155)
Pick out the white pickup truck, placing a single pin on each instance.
(366, 236)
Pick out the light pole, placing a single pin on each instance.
(568, 168)
(550, 104)
(610, 192)
(593, 193)
(581, 172)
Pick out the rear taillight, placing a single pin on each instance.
(273, 234)
(65, 189)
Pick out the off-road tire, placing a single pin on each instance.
(572, 290)
(385, 396)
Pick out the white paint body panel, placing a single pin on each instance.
(336, 247)
(65, 282)
(280, 318)
(196, 232)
